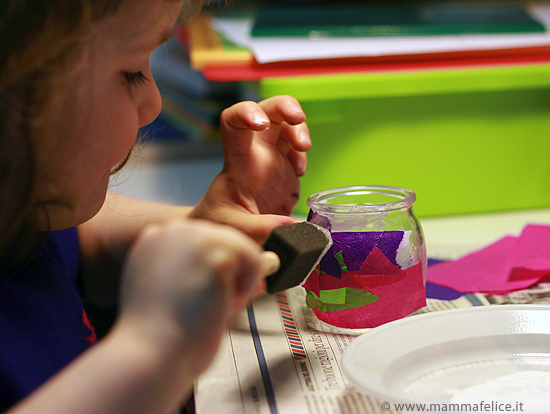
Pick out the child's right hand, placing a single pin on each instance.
(182, 281)
(185, 279)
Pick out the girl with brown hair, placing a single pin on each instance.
(75, 87)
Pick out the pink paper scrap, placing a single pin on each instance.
(510, 264)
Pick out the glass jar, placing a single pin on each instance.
(376, 268)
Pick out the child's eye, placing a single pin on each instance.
(135, 78)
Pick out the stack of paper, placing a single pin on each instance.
(234, 41)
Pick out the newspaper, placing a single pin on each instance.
(277, 358)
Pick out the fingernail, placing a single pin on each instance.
(295, 108)
(304, 138)
(259, 119)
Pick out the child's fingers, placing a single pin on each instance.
(256, 226)
(283, 108)
(238, 123)
(195, 249)
(286, 111)
(298, 159)
(298, 136)
(259, 116)
(245, 115)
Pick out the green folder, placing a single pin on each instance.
(367, 19)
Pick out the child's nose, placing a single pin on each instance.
(150, 106)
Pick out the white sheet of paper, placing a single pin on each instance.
(277, 49)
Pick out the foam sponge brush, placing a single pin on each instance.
(300, 247)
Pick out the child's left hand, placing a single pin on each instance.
(264, 145)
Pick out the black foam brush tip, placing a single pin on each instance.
(300, 247)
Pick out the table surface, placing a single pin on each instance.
(257, 338)
(446, 237)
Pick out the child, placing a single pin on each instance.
(75, 87)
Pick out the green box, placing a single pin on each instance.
(466, 140)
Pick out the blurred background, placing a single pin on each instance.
(448, 98)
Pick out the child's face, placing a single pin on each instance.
(115, 96)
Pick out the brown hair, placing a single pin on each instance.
(40, 41)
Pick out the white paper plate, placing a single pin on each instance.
(495, 355)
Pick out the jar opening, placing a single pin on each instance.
(361, 199)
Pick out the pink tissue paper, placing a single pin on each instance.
(510, 264)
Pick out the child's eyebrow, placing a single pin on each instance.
(138, 44)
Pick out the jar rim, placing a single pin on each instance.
(319, 201)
